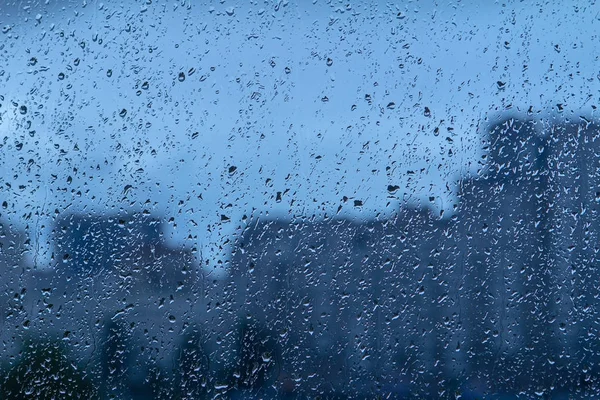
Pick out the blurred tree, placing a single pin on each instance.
(157, 384)
(257, 357)
(192, 367)
(115, 361)
(45, 372)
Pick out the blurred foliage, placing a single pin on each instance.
(257, 357)
(44, 371)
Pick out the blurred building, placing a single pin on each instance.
(575, 242)
(501, 259)
(497, 297)
(500, 297)
(115, 286)
(348, 301)
(14, 287)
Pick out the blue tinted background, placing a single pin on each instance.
(316, 132)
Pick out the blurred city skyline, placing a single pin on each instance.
(208, 112)
(499, 299)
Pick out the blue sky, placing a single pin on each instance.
(315, 100)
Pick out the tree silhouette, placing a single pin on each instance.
(115, 360)
(257, 357)
(193, 367)
(45, 372)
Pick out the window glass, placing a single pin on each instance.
(325, 199)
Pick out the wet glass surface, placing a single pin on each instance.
(298, 200)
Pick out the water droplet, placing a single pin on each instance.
(230, 11)
(181, 77)
(23, 110)
(109, 73)
(123, 113)
(145, 85)
(329, 62)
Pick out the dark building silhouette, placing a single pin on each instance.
(497, 299)
(347, 299)
(15, 288)
(127, 247)
(501, 298)
(575, 241)
(90, 243)
(111, 269)
(502, 258)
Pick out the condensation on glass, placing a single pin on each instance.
(275, 200)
